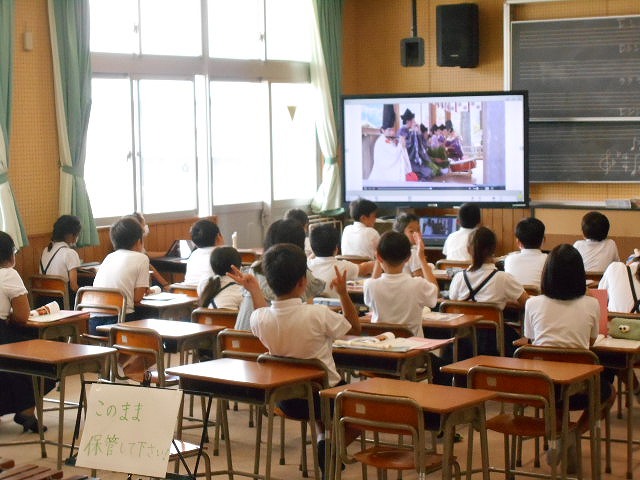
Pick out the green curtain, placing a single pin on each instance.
(326, 75)
(10, 221)
(69, 27)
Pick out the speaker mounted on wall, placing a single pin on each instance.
(457, 35)
(412, 52)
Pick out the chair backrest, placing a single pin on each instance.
(373, 329)
(492, 316)
(557, 354)
(137, 351)
(593, 275)
(49, 286)
(248, 255)
(357, 259)
(532, 290)
(186, 290)
(224, 317)
(308, 362)
(443, 264)
(239, 344)
(102, 300)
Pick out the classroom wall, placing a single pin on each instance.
(371, 65)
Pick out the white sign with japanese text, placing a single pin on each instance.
(129, 429)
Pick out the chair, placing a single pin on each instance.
(594, 276)
(190, 291)
(575, 355)
(492, 317)
(239, 344)
(357, 259)
(381, 414)
(102, 302)
(444, 264)
(49, 286)
(522, 389)
(215, 316)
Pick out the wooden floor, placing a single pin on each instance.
(243, 447)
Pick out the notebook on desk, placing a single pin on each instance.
(436, 229)
(181, 249)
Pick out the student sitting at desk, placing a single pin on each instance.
(127, 268)
(206, 235)
(324, 243)
(280, 231)
(361, 239)
(59, 257)
(455, 246)
(156, 277)
(294, 329)
(302, 217)
(596, 249)
(16, 394)
(526, 266)
(408, 224)
(483, 282)
(220, 291)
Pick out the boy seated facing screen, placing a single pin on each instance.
(126, 269)
(324, 243)
(395, 296)
(206, 235)
(361, 239)
(294, 329)
(455, 246)
(526, 266)
(300, 216)
(596, 249)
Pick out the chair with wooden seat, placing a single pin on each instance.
(444, 264)
(492, 317)
(47, 287)
(357, 259)
(525, 390)
(101, 302)
(377, 415)
(575, 355)
(225, 317)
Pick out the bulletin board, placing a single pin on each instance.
(129, 429)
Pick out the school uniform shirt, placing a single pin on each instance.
(597, 255)
(399, 298)
(549, 322)
(199, 265)
(323, 269)
(230, 297)
(615, 281)
(125, 270)
(59, 260)
(413, 263)
(360, 240)
(11, 286)
(456, 245)
(502, 287)
(291, 328)
(526, 266)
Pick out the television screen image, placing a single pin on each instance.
(437, 149)
(435, 230)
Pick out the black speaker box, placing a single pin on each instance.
(412, 52)
(457, 35)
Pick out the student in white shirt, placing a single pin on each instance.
(324, 244)
(526, 266)
(455, 246)
(408, 223)
(302, 217)
(60, 257)
(622, 283)
(596, 249)
(361, 239)
(220, 291)
(206, 235)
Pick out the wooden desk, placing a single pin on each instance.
(455, 406)
(462, 326)
(177, 307)
(189, 289)
(170, 265)
(71, 324)
(621, 355)
(251, 382)
(179, 337)
(570, 376)
(54, 360)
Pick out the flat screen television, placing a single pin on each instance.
(436, 229)
(437, 150)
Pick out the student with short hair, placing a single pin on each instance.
(394, 296)
(325, 240)
(455, 246)
(206, 235)
(360, 238)
(596, 249)
(220, 291)
(156, 277)
(526, 266)
(408, 223)
(280, 231)
(126, 269)
(291, 328)
(302, 217)
(60, 257)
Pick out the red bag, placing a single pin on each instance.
(411, 177)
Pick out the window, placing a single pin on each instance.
(179, 131)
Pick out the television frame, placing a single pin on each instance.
(404, 98)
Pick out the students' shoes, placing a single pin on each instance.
(554, 456)
(322, 445)
(457, 437)
(28, 422)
